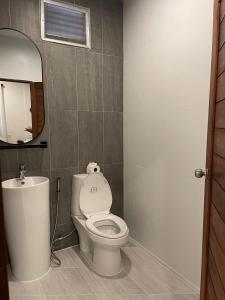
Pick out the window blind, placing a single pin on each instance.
(65, 24)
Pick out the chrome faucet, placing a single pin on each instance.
(22, 172)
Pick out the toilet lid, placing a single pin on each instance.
(95, 195)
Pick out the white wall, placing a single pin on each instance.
(167, 56)
(17, 102)
(19, 58)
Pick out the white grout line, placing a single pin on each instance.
(10, 17)
(66, 248)
(102, 92)
(49, 295)
(77, 117)
(172, 294)
(98, 294)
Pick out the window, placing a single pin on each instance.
(65, 23)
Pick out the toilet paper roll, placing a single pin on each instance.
(93, 167)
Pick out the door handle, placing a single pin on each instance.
(199, 173)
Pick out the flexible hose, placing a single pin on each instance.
(55, 260)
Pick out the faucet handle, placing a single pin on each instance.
(22, 167)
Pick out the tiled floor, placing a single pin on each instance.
(144, 278)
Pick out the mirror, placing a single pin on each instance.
(21, 88)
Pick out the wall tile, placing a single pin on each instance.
(113, 27)
(37, 159)
(9, 175)
(26, 18)
(63, 138)
(61, 76)
(90, 126)
(44, 173)
(63, 230)
(113, 137)
(113, 83)
(65, 193)
(9, 161)
(5, 16)
(96, 22)
(63, 91)
(114, 174)
(34, 159)
(89, 80)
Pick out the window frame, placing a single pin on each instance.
(73, 7)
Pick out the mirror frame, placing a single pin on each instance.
(30, 144)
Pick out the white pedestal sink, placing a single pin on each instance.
(27, 224)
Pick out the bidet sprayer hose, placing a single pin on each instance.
(54, 257)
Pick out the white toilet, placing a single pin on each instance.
(100, 232)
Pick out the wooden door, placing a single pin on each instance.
(213, 260)
(37, 107)
(4, 293)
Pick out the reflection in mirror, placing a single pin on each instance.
(21, 88)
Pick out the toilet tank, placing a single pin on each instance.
(77, 183)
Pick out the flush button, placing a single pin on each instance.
(93, 189)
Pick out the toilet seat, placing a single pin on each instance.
(107, 226)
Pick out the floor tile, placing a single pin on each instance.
(139, 257)
(176, 297)
(121, 284)
(151, 275)
(144, 278)
(72, 297)
(69, 258)
(157, 280)
(129, 244)
(79, 259)
(17, 288)
(64, 282)
(28, 297)
(123, 297)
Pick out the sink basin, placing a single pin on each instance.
(29, 182)
(27, 225)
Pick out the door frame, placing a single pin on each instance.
(210, 141)
(4, 290)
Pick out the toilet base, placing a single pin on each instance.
(105, 262)
(102, 255)
(87, 257)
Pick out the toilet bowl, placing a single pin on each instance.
(101, 233)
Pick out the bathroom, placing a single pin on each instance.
(128, 91)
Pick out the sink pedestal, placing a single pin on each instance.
(27, 225)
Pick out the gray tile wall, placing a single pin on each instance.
(83, 103)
